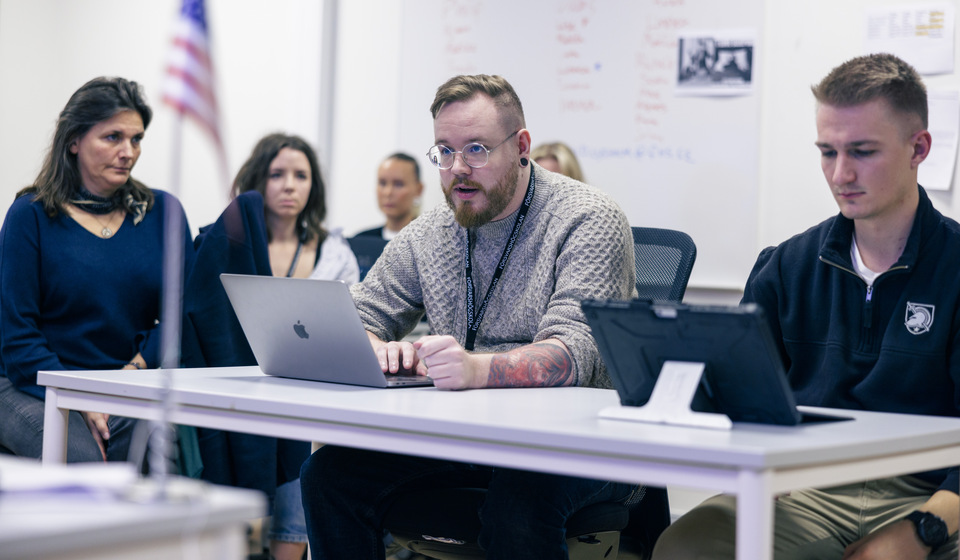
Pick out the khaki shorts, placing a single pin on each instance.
(809, 524)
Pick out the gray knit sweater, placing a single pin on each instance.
(575, 244)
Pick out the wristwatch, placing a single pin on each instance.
(931, 530)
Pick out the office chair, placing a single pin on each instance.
(443, 523)
(664, 259)
(367, 249)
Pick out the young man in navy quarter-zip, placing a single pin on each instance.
(866, 310)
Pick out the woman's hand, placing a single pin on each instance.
(137, 362)
(97, 422)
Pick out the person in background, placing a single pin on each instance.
(559, 158)
(272, 227)
(81, 255)
(284, 170)
(398, 194)
(866, 312)
(561, 242)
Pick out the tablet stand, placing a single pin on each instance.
(670, 400)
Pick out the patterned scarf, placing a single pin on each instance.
(89, 202)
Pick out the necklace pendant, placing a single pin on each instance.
(106, 232)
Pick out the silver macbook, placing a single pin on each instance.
(308, 329)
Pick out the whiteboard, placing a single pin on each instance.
(601, 77)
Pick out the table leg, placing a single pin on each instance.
(54, 430)
(754, 517)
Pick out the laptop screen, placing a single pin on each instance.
(743, 376)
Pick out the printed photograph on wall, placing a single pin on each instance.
(715, 63)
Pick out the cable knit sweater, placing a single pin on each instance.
(575, 244)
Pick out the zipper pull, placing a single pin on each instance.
(868, 308)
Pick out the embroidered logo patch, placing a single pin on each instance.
(919, 317)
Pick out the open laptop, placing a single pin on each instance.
(308, 329)
(742, 377)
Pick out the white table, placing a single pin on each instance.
(198, 520)
(553, 430)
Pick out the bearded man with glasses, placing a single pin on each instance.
(500, 273)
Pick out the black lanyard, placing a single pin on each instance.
(473, 323)
(296, 257)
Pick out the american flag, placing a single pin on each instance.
(189, 84)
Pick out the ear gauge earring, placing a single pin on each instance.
(524, 161)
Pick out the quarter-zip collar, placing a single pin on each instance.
(835, 249)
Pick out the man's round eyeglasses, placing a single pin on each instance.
(474, 154)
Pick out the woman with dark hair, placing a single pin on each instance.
(284, 170)
(272, 227)
(81, 254)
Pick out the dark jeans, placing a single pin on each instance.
(250, 461)
(346, 493)
(21, 429)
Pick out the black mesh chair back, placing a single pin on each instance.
(367, 249)
(664, 259)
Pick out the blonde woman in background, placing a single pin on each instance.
(559, 158)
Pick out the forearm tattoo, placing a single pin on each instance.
(534, 365)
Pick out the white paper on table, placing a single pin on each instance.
(921, 34)
(936, 172)
(21, 476)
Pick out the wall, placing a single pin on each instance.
(797, 45)
(804, 40)
(268, 59)
(600, 77)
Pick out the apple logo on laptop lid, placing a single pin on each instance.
(301, 330)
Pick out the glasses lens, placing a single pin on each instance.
(441, 156)
(475, 155)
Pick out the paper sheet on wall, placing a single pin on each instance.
(921, 34)
(936, 172)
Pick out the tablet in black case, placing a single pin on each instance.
(744, 376)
